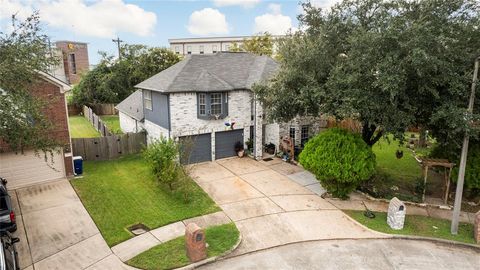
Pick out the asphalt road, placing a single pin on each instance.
(357, 254)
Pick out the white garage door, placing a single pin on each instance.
(26, 169)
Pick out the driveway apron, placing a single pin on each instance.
(274, 203)
(56, 231)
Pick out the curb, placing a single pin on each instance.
(213, 259)
(473, 247)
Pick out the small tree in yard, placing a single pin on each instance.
(163, 158)
(339, 159)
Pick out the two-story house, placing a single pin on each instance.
(203, 96)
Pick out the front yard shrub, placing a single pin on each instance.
(339, 159)
(163, 158)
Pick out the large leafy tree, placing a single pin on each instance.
(113, 80)
(260, 44)
(387, 64)
(23, 53)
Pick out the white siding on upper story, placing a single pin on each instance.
(154, 131)
(183, 113)
(129, 124)
(208, 47)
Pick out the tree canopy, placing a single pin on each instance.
(113, 80)
(388, 64)
(23, 53)
(260, 44)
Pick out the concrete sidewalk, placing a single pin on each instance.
(274, 203)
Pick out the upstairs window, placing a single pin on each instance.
(147, 99)
(227, 48)
(177, 49)
(201, 49)
(216, 104)
(73, 64)
(214, 48)
(202, 104)
(212, 106)
(189, 49)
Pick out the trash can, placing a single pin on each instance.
(78, 165)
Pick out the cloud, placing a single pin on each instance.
(207, 21)
(103, 18)
(10, 7)
(273, 22)
(243, 3)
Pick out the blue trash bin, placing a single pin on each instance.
(78, 165)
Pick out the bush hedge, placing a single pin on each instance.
(339, 159)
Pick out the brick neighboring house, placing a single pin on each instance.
(201, 96)
(27, 169)
(75, 59)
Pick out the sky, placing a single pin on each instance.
(153, 22)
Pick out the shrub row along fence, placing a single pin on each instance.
(110, 147)
(95, 120)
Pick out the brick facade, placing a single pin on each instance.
(56, 111)
(80, 51)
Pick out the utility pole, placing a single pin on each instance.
(463, 160)
(118, 41)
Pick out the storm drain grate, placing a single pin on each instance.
(138, 229)
(267, 159)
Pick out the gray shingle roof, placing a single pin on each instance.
(215, 72)
(132, 105)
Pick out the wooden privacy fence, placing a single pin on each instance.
(104, 109)
(96, 122)
(110, 147)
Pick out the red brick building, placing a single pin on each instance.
(75, 59)
(29, 168)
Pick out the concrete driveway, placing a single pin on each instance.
(381, 254)
(274, 203)
(56, 232)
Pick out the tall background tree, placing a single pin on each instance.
(388, 64)
(259, 44)
(113, 80)
(23, 53)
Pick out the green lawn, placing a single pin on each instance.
(81, 128)
(172, 254)
(123, 192)
(417, 225)
(112, 122)
(404, 169)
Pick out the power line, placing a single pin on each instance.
(118, 41)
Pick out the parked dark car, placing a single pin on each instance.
(8, 252)
(7, 215)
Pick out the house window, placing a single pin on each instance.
(73, 64)
(189, 49)
(212, 106)
(147, 99)
(227, 48)
(214, 48)
(304, 135)
(177, 49)
(202, 104)
(216, 104)
(292, 134)
(201, 49)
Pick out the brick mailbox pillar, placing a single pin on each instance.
(195, 243)
(476, 230)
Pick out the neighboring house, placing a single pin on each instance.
(199, 97)
(130, 112)
(27, 168)
(206, 45)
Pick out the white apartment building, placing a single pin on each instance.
(205, 45)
